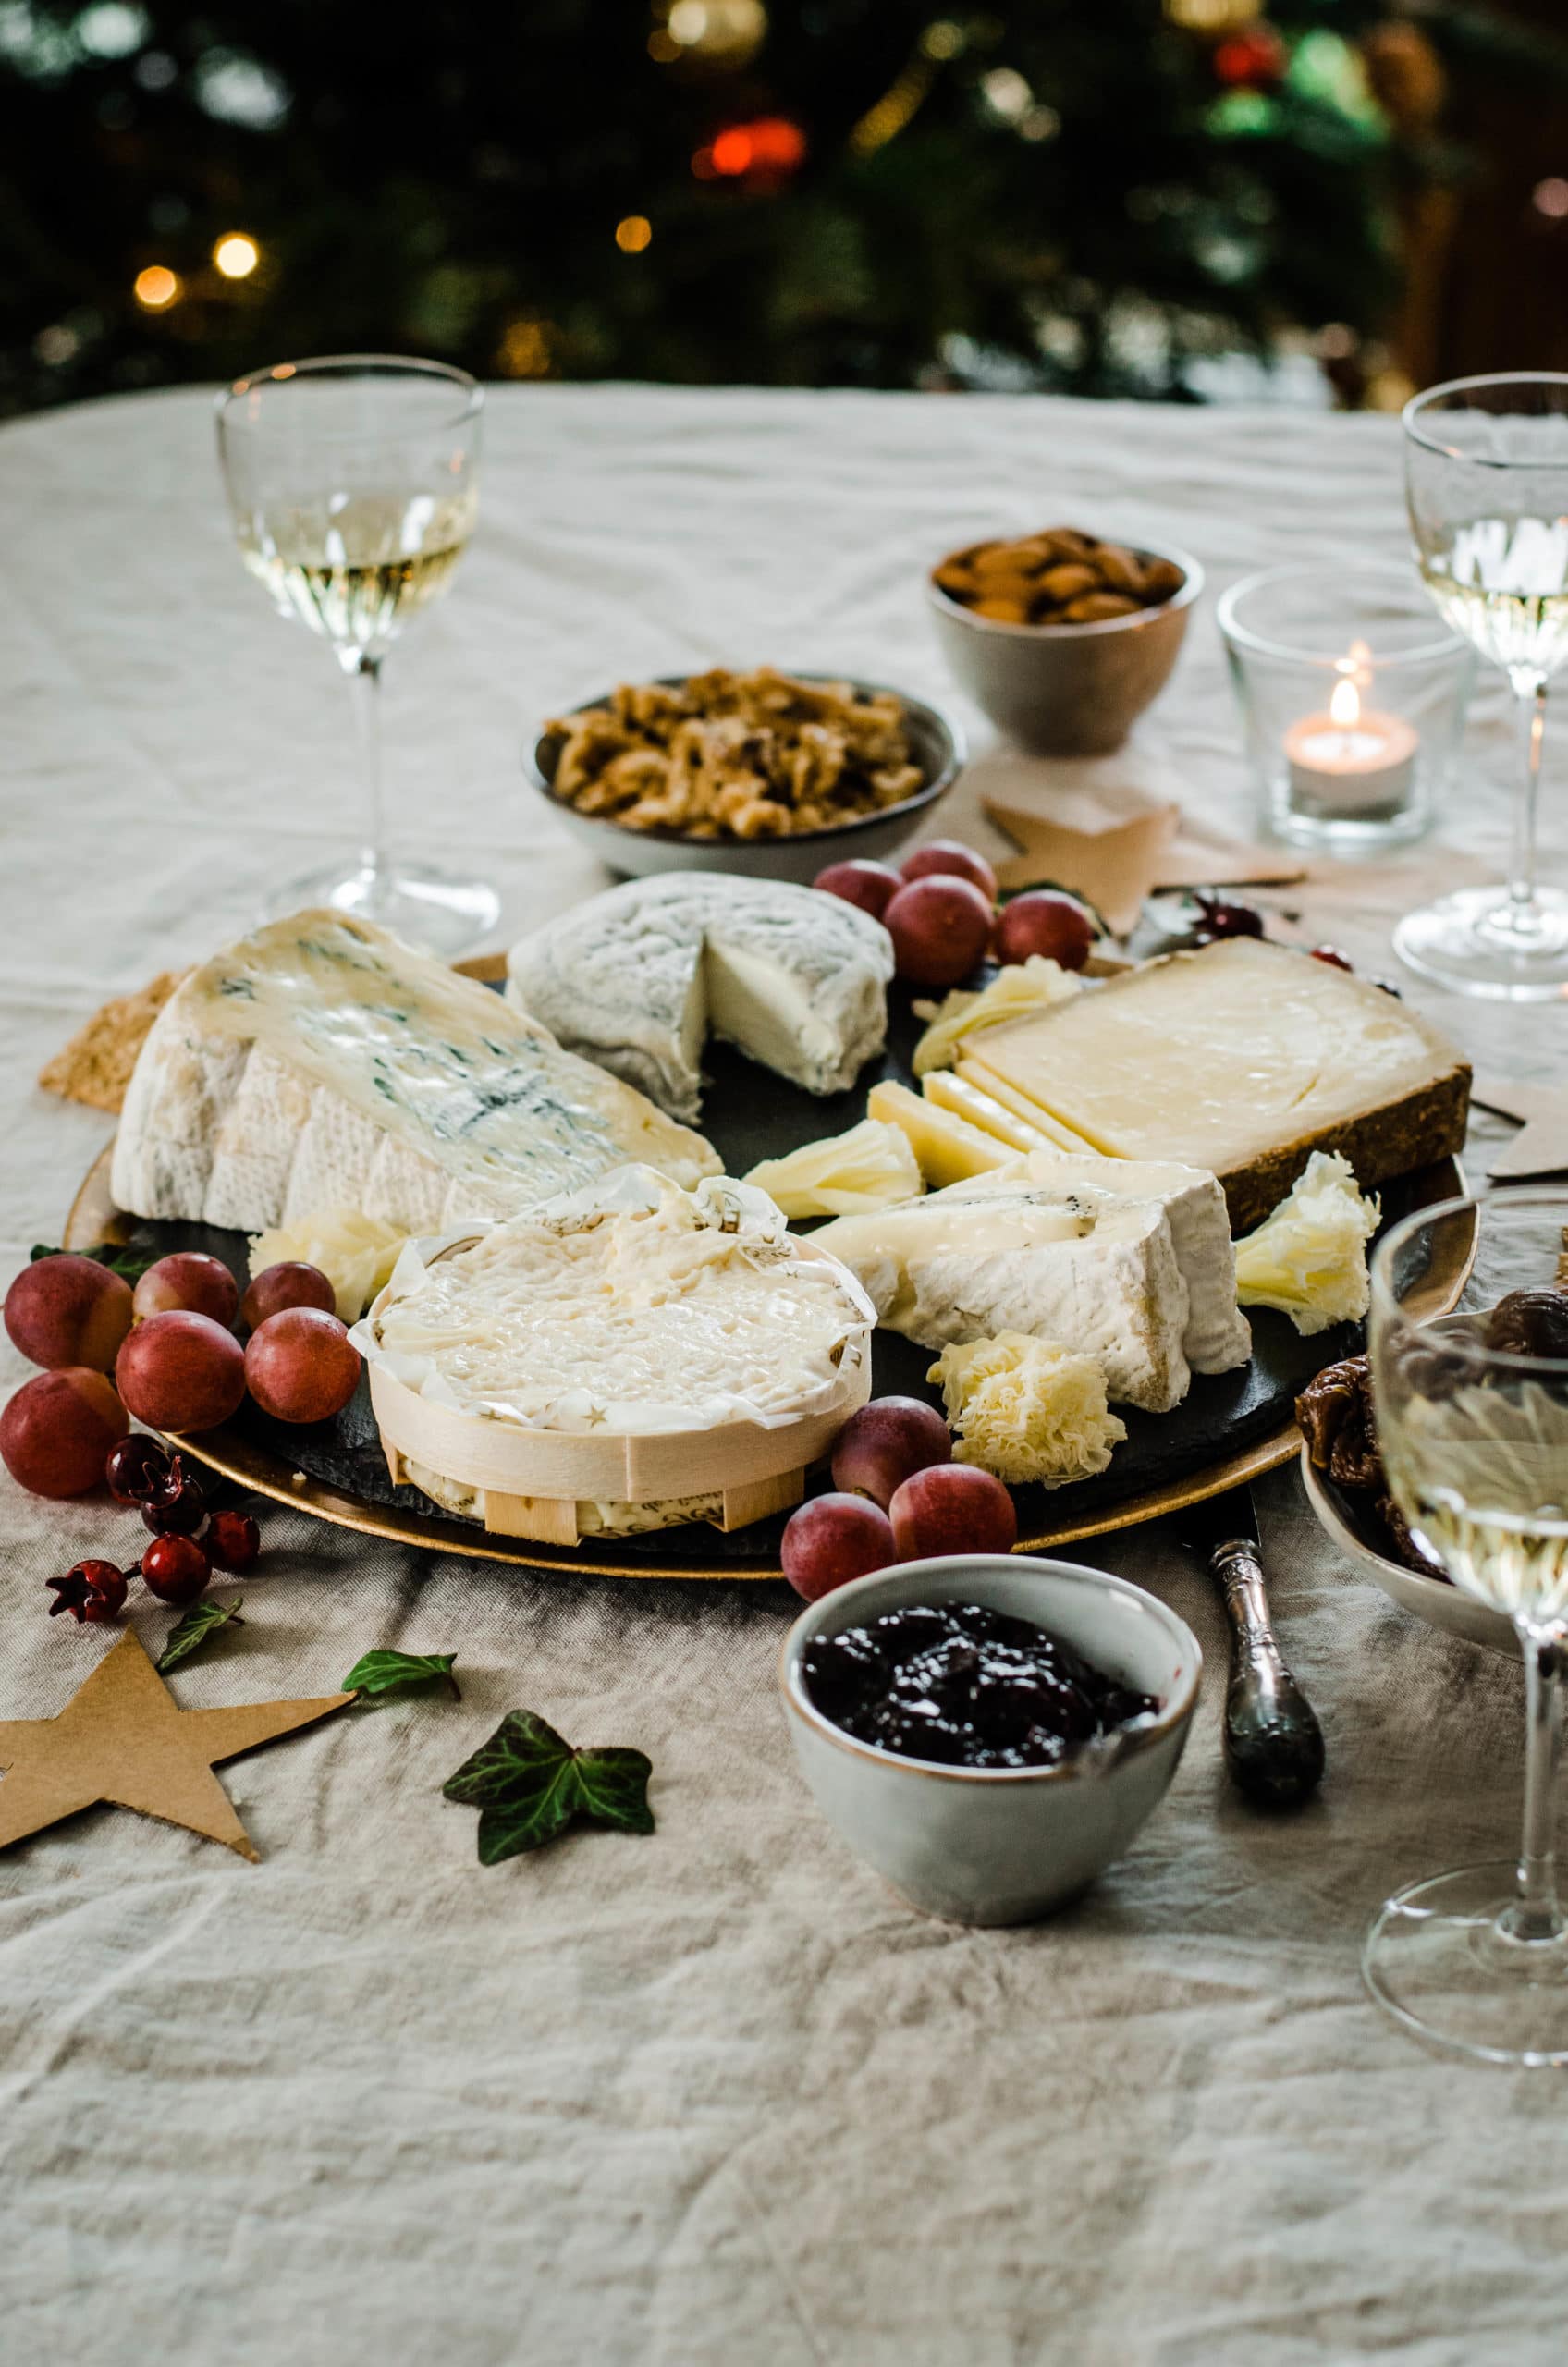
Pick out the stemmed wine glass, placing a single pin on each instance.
(353, 482)
(1487, 484)
(1472, 1415)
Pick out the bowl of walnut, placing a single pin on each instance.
(768, 774)
(1061, 638)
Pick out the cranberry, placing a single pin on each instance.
(233, 1541)
(93, 1592)
(133, 1468)
(1223, 916)
(175, 1569)
(1331, 954)
(175, 1505)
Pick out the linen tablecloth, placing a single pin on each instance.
(714, 2096)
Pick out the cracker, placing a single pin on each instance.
(95, 1066)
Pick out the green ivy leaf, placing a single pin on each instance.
(120, 1257)
(381, 1672)
(193, 1630)
(529, 1784)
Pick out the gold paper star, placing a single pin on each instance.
(1542, 1145)
(124, 1740)
(1117, 866)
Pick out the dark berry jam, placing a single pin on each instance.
(965, 1686)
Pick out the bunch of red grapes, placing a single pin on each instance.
(897, 1496)
(939, 908)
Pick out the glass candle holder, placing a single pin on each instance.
(1353, 704)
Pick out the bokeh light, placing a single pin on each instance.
(633, 233)
(236, 255)
(156, 287)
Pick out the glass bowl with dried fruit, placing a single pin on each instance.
(1062, 637)
(768, 774)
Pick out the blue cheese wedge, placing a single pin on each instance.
(321, 1063)
(639, 977)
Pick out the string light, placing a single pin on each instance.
(156, 287)
(771, 144)
(633, 233)
(236, 255)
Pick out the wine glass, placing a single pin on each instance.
(353, 481)
(1472, 1416)
(1487, 484)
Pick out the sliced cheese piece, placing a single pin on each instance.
(1244, 1058)
(973, 1071)
(966, 1100)
(639, 977)
(1095, 1271)
(1218, 1337)
(321, 1063)
(948, 1149)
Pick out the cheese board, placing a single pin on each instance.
(1231, 1426)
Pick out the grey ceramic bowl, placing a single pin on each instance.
(1433, 1600)
(936, 743)
(1068, 690)
(999, 1845)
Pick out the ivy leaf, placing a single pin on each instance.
(381, 1672)
(193, 1630)
(120, 1257)
(529, 1784)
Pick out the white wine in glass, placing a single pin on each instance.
(1487, 483)
(353, 483)
(1472, 1418)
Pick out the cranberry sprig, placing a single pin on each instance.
(188, 1540)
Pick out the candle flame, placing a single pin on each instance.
(1344, 707)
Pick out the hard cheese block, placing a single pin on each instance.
(639, 977)
(1244, 1058)
(1095, 1266)
(321, 1062)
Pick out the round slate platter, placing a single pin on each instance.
(1229, 1428)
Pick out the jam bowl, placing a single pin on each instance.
(973, 1843)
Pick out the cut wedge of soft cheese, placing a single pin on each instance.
(965, 1101)
(321, 1063)
(1126, 1262)
(1244, 1058)
(639, 977)
(1027, 1409)
(625, 1356)
(871, 1166)
(948, 1149)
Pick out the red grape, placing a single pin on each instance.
(59, 1429)
(134, 1469)
(880, 1445)
(1044, 921)
(233, 1541)
(68, 1310)
(948, 859)
(300, 1365)
(181, 1371)
(833, 1539)
(940, 927)
(290, 1283)
(191, 1280)
(952, 1508)
(175, 1569)
(871, 885)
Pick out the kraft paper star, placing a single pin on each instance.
(1541, 1148)
(123, 1739)
(1121, 864)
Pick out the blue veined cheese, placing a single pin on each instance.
(639, 977)
(321, 1062)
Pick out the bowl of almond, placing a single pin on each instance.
(1062, 637)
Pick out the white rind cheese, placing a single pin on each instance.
(320, 1062)
(639, 977)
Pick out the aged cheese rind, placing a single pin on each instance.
(1244, 1058)
(639, 977)
(321, 1062)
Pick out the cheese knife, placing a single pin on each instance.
(1273, 1742)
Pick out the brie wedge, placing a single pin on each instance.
(639, 977)
(321, 1063)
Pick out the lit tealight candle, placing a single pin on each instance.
(1355, 764)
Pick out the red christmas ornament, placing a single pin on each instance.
(1251, 59)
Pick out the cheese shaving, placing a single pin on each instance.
(1309, 1259)
(355, 1252)
(1014, 993)
(872, 1166)
(1027, 1409)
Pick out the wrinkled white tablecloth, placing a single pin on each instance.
(712, 2097)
